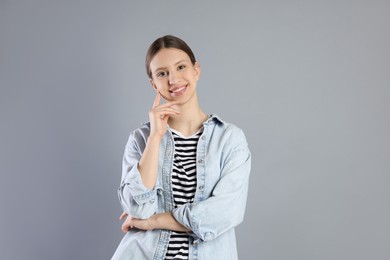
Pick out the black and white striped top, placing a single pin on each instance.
(183, 186)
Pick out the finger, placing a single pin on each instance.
(126, 224)
(125, 228)
(165, 116)
(168, 104)
(166, 111)
(124, 214)
(157, 99)
(162, 114)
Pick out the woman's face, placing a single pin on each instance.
(173, 75)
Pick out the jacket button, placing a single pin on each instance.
(201, 187)
(151, 201)
(200, 161)
(203, 137)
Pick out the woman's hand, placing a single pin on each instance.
(159, 114)
(130, 222)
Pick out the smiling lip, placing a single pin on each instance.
(177, 91)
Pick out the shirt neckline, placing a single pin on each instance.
(187, 137)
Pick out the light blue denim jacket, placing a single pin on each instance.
(223, 167)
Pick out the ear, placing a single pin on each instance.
(197, 70)
(152, 83)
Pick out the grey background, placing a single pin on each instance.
(308, 82)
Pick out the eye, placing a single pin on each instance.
(161, 74)
(181, 67)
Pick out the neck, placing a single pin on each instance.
(190, 119)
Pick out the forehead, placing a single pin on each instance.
(168, 57)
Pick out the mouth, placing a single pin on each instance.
(177, 91)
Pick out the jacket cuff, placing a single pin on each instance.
(137, 189)
(183, 215)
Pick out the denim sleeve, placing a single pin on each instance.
(135, 199)
(225, 208)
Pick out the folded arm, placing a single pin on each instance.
(209, 218)
(225, 208)
(157, 221)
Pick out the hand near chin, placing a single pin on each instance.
(159, 115)
(130, 223)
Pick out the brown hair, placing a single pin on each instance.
(167, 41)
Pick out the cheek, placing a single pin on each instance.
(165, 95)
(161, 88)
(164, 92)
(195, 76)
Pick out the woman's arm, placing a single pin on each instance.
(148, 164)
(137, 193)
(215, 215)
(158, 116)
(225, 208)
(157, 221)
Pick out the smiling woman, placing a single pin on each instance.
(174, 76)
(185, 173)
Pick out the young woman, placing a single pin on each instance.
(185, 173)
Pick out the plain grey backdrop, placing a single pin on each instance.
(308, 82)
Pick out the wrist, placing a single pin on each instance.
(153, 222)
(154, 138)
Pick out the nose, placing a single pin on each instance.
(173, 77)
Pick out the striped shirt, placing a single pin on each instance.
(183, 186)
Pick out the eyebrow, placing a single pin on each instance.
(161, 68)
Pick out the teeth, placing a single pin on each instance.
(178, 90)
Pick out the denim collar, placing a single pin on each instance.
(213, 118)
